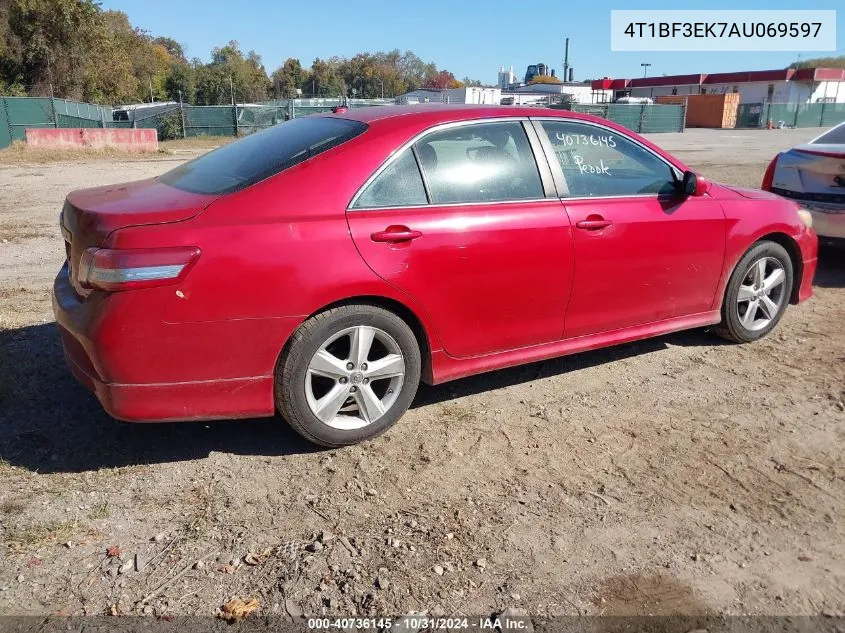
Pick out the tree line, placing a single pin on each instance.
(76, 50)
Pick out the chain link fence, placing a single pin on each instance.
(184, 121)
(758, 115)
(19, 113)
(173, 121)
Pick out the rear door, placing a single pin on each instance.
(643, 253)
(460, 220)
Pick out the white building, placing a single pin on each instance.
(506, 78)
(788, 85)
(469, 94)
(537, 94)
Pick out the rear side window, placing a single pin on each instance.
(261, 155)
(836, 136)
(399, 185)
(477, 163)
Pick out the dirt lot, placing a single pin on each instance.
(677, 475)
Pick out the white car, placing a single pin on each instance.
(813, 175)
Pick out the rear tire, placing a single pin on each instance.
(757, 293)
(347, 375)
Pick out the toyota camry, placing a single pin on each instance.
(324, 267)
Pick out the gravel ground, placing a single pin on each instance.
(679, 475)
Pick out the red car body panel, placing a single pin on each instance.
(517, 300)
(489, 285)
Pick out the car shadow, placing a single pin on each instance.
(831, 270)
(51, 424)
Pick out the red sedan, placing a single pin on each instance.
(323, 267)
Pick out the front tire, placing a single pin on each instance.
(757, 293)
(348, 375)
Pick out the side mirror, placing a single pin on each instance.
(694, 185)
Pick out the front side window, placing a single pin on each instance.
(261, 155)
(399, 185)
(485, 162)
(600, 162)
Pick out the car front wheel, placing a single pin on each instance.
(348, 375)
(757, 293)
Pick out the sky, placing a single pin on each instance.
(468, 37)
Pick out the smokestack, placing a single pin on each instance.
(566, 60)
(571, 75)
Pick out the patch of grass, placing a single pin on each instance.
(35, 536)
(20, 153)
(455, 412)
(195, 142)
(202, 516)
(12, 507)
(100, 512)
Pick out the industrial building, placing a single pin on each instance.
(468, 94)
(569, 91)
(787, 85)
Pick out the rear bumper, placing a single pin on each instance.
(145, 370)
(828, 222)
(178, 402)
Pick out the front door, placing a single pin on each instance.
(475, 241)
(643, 253)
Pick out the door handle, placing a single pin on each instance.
(593, 224)
(394, 234)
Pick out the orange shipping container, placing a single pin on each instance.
(716, 110)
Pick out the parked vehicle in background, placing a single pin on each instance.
(325, 266)
(813, 175)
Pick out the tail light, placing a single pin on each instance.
(769, 176)
(112, 270)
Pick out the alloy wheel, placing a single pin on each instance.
(355, 377)
(761, 295)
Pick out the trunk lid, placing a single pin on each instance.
(90, 215)
(812, 173)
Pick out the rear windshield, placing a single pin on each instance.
(261, 155)
(836, 136)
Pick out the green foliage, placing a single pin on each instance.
(290, 77)
(820, 62)
(544, 79)
(14, 89)
(75, 49)
(170, 127)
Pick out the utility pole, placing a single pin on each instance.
(645, 69)
(53, 107)
(152, 98)
(234, 107)
(182, 115)
(566, 61)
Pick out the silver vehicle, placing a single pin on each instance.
(813, 175)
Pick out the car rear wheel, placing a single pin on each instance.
(757, 293)
(348, 375)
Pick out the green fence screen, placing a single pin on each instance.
(758, 115)
(642, 118)
(19, 113)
